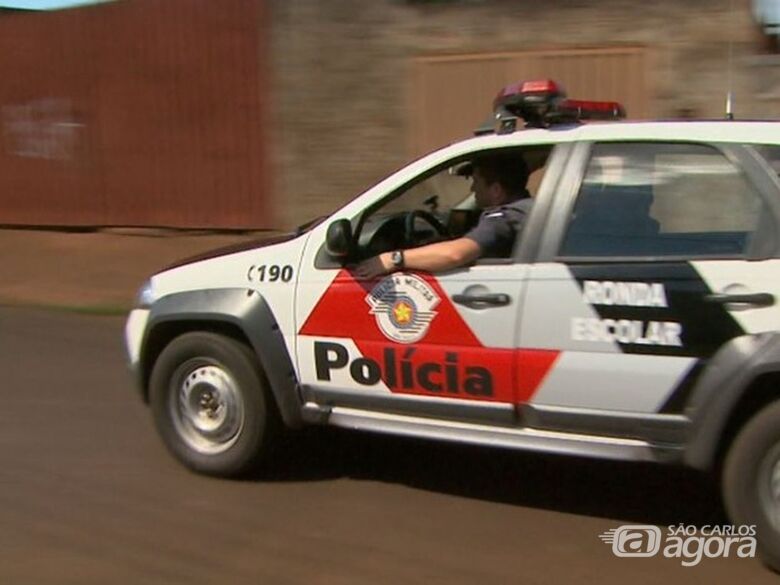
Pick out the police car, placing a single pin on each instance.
(636, 319)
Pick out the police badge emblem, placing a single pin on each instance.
(403, 307)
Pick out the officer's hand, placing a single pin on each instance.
(373, 267)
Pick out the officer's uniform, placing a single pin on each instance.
(499, 226)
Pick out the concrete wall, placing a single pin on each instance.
(341, 73)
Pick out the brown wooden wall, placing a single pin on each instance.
(137, 112)
(450, 96)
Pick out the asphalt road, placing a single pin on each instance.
(89, 495)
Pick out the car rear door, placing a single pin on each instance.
(657, 255)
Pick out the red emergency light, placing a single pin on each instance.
(590, 110)
(527, 92)
(542, 103)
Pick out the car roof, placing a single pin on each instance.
(750, 132)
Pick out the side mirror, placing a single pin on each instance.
(339, 238)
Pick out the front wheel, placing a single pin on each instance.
(751, 481)
(211, 405)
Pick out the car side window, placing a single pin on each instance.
(661, 199)
(436, 206)
(422, 212)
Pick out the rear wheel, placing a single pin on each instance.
(751, 481)
(211, 404)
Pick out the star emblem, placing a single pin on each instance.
(402, 312)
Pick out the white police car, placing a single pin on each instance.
(637, 318)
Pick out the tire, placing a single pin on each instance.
(751, 481)
(211, 404)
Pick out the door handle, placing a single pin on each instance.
(752, 299)
(478, 301)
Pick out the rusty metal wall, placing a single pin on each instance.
(450, 96)
(138, 112)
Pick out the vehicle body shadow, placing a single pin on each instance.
(629, 492)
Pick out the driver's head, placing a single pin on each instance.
(498, 179)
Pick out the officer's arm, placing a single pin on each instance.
(436, 257)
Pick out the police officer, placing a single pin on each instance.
(499, 186)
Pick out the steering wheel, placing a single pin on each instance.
(411, 219)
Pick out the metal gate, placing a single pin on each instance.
(138, 112)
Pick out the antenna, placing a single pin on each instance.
(729, 92)
(729, 104)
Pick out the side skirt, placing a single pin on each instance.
(543, 441)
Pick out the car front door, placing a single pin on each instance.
(411, 342)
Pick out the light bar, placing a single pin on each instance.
(543, 102)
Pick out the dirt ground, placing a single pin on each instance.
(100, 270)
(90, 496)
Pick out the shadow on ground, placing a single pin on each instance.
(630, 492)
